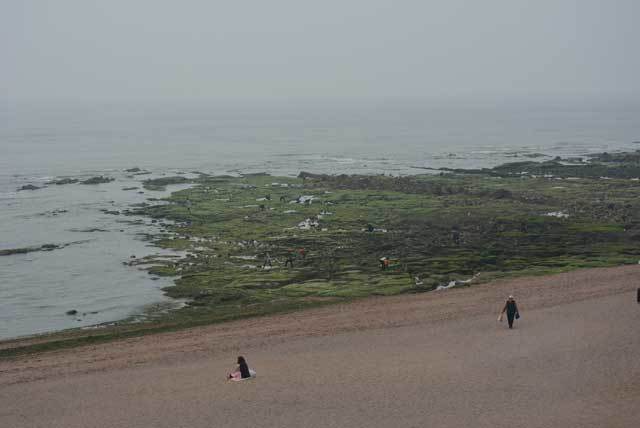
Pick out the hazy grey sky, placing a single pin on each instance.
(297, 48)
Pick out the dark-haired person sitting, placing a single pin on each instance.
(243, 371)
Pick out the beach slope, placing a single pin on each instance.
(432, 359)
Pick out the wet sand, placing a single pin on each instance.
(434, 359)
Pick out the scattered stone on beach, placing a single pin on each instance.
(72, 312)
(134, 169)
(130, 188)
(98, 180)
(28, 187)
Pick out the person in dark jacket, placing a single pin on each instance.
(243, 369)
(511, 309)
(267, 261)
(290, 257)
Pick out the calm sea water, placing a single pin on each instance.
(41, 141)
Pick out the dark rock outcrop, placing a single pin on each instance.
(162, 183)
(63, 181)
(97, 180)
(28, 187)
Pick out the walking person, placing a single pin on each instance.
(511, 308)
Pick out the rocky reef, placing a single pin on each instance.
(63, 181)
(259, 243)
(28, 187)
(616, 165)
(97, 180)
(44, 247)
(163, 182)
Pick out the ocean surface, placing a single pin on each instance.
(43, 141)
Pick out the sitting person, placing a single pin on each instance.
(243, 371)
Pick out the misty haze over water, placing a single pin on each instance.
(386, 135)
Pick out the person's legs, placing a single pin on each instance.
(510, 319)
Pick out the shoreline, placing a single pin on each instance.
(328, 278)
(369, 314)
(537, 291)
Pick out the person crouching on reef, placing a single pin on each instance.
(267, 261)
(242, 372)
(511, 309)
(289, 260)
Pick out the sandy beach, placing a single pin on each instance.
(433, 359)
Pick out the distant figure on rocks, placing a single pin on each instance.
(289, 261)
(303, 253)
(455, 236)
(511, 309)
(267, 261)
(243, 371)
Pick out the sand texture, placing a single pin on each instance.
(437, 359)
